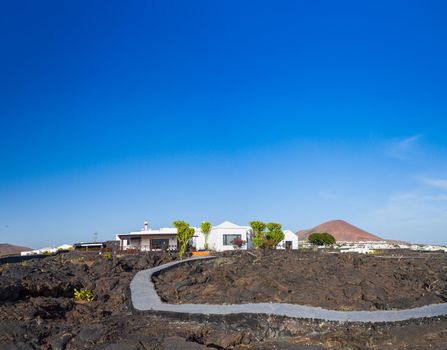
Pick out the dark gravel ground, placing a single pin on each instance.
(37, 311)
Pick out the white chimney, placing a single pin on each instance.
(146, 225)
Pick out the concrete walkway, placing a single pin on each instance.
(145, 298)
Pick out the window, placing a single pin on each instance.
(159, 243)
(228, 239)
(135, 241)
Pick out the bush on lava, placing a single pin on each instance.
(321, 239)
(83, 295)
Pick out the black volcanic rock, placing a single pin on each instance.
(37, 310)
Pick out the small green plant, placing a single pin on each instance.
(83, 295)
(24, 263)
(106, 255)
(46, 252)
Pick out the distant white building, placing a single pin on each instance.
(290, 241)
(47, 250)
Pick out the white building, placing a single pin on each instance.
(47, 250)
(220, 238)
(147, 239)
(290, 241)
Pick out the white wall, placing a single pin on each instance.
(215, 238)
(198, 240)
(145, 240)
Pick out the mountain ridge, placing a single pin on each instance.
(341, 230)
(10, 249)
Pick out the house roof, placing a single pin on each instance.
(229, 225)
(161, 232)
(87, 244)
(173, 231)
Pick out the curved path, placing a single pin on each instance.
(145, 298)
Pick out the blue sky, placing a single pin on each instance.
(297, 112)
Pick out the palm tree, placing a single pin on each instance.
(206, 229)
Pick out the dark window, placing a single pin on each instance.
(159, 243)
(135, 241)
(228, 239)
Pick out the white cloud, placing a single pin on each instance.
(440, 184)
(403, 149)
(417, 216)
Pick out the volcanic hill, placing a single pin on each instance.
(9, 249)
(341, 230)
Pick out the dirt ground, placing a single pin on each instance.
(332, 281)
(37, 311)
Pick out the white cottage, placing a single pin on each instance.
(290, 241)
(222, 236)
(148, 239)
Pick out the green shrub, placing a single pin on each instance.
(83, 295)
(107, 255)
(269, 244)
(321, 239)
(258, 233)
(274, 234)
(266, 239)
(184, 234)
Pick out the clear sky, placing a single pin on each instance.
(113, 112)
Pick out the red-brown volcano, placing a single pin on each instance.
(9, 249)
(341, 230)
